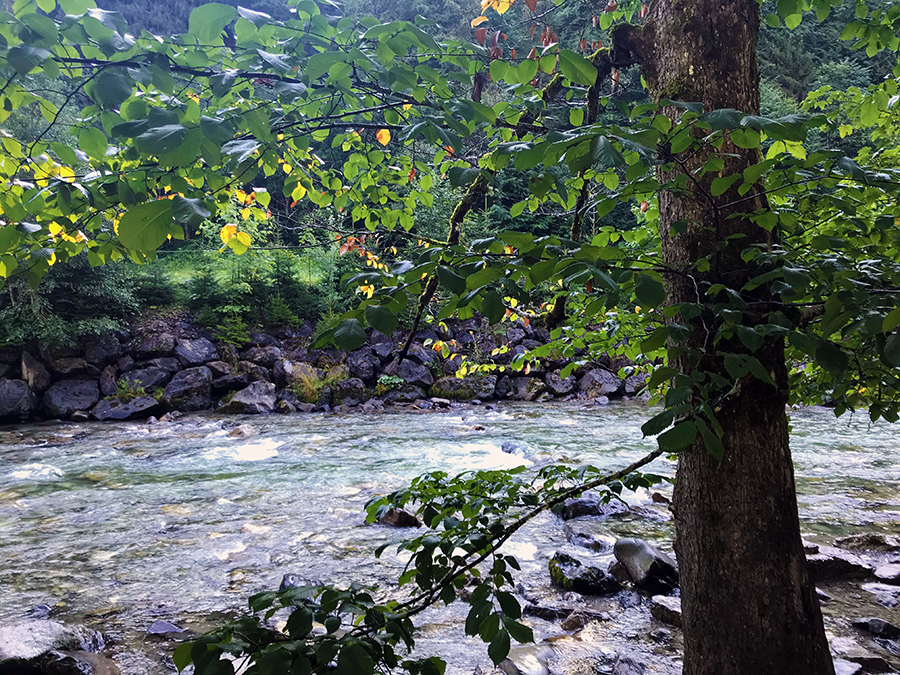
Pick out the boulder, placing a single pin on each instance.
(600, 382)
(258, 398)
(399, 518)
(383, 350)
(411, 372)
(17, 401)
(363, 364)
(527, 660)
(526, 388)
(465, 388)
(190, 390)
(167, 363)
(68, 396)
(572, 575)
(286, 373)
(230, 382)
(254, 371)
(889, 574)
(587, 534)
(349, 392)
(628, 665)
(408, 393)
(264, 356)
(503, 386)
(338, 373)
(514, 448)
(154, 346)
(835, 563)
(113, 409)
(514, 336)
(422, 356)
(30, 639)
(558, 385)
(73, 367)
(102, 351)
(147, 379)
(634, 383)
(666, 609)
(649, 568)
(35, 374)
(125, 364)
(580, 507)
(108, 381)
(867, 541)
(878, 627)
(263, 340)
(219, 368)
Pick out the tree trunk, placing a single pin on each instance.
(749, 606)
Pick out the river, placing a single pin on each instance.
(117, 525)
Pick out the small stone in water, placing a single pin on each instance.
(889, 573)
(163, 627)
(878, 627)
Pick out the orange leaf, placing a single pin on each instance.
(612, 6)
(412, 175)
(644, 206)
(480, 35)
(595, 20)
(533, 53)
(531, 4)
(503, 37)
(478, 20)
(531, 31)
(583, 45)
(383, 136)
(526, 321)
(512, 54)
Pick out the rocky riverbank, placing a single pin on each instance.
(166, 366)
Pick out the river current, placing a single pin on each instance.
(118, 525)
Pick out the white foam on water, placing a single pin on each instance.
(246, 452)
(36, 472)
(477, 456)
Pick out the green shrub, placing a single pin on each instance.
(388, 383)
(278, 313)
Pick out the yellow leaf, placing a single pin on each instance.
(227, 233)
(245, 214)
(239, 243)
(383, 136)
(298, 193)
(287, 168)
(55, 228)
(407, 106)
(244, 238)
(501, 5)
(478, 20)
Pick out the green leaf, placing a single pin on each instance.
(111, 88)
(381, 318)
(831, 357)
(892, 349)
(349, 335)
(24, 59)
(93, 142)
(712, 442)
(678, 437)
(182, 655)
(299, 623)
(518, 632)
(145, 227)
(492, 306)
(256, 18)
(721, 184)
(162, 139)
(354, 660)
(649, 291)
(656, 340)
(460, 175)
(603, 151)
(208, 21)
(451, 280)
(577, 68)
(891, 321)
(658, 423)
(498, 650)
(189, 211)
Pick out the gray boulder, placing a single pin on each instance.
(102, 351)
(108, 381)
(17, 401)
(68, 396)
(154, 346)
(258, 398)
(264, 356)
(465, 388)
(634, 383)
(383, 349)
(579, 507)
(572, 575)
(411, 372)
(136, 408)
(285, 373)
(35, 374)
(558, 385)
(351, 391)
(526, 388)
(867, 541)
(196, 352)
(528, 660)
(835, 563)
(167, 363)
(588, 534)
(889, 574)
(73, 367)
(422, 356)
(190, 390)
(145, 378)
(600, 382)
(408, 393)
(878, 627)
(255, 372)
(666, 609)
(230, 382)
(399, 518)
(125, 364)
(362, 364)
(649, 568)
(30, 639)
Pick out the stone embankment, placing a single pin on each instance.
(174, 366)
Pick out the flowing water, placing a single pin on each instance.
(117, 525)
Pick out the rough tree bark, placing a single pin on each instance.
(749, 605)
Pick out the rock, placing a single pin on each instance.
(577, 620)
(30, 639)
(338, 373)
(584, 533)
(108, 381)
(514, 448)
(17, 401)
(147, 379)
(842, 667)
(889, 574)
(373, 405)
(263, 340)
(399, 518)
(254, 371)
(163, 627)
(230, 382)
(408, 393)
(809, 548)
(154, 346)
(140, 407)
(591, 506)
(80, 416)
(570, 574)
(67, 396)
(514, 336)
(878, 627)
(628, 665)
(464, 388)
(559, 386)
(600, 382)
(285, 407)
(102, 351)
(868, 541)
(190, 390)
(666, 609)
(264, 356)
(73, 368)
(422, 356)
(634, 383)
(649, 568)
(503, 386)
(834, 563)
(383, 349)
(362, 364)
(287, 373)
(125, 364)
(258, 398)
(242, 431)
(35, 374)
(525, 388)
(411, 373)
(527, 660)
(220, 368)
(823, 596)
(167, 363)
(349, 392)
(848, 650)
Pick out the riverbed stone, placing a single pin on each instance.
(411, 372)
(877, 627)
(351, 391)
(579, 507)
(889, 574)
(102, 350)
(167, 363)
(74, 368)
(147, 379)
(68, 396)
(666, 609)
(136, 408)
(196, 352)
(408, 393)
(154, 346)
(30, 639)
(363, 364)
(526, 388)
(870, 541)
(17, 401)
(588, 534)
(190, 390)
(600, 382)
(559, 385)
(834, 563)
(257, 398)
(571, 574)
(264, 356)
(35, 373)
(464, 388)
(399, 518)
(527, 660)
(649, 568)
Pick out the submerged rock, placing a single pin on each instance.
(591, 506)
(572, 575)
(400, 518)
(163, 627)
(649, 568)
(587, 534)
(870, 541)
(528, 660)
